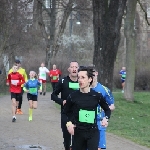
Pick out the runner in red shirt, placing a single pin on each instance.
(54, 76)
(15, 80)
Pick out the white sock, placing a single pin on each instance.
(14, 117)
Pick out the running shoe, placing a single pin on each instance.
(14, 120)
(44, 93)
(17, 111)
(40, 93)
(30, 118)
(20, 112)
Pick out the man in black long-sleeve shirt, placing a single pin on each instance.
(83, 122)
(66, 86)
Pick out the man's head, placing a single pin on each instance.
(18, 63)
(42, 64)
(54, 67)
(85, 77)
(123, 68)
(73, 69)
(95, 72)
(15, 68)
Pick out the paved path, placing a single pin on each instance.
(44, 131)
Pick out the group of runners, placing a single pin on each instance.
(19, 83)
(86, 105)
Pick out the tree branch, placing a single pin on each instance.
(144, 12)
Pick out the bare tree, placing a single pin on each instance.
(107, 18)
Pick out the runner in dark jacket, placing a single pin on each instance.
(83, 122)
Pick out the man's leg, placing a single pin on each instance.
(93, 139)
(80, 142)
(53, 85)
(66, 136)
(14, 104)
(102, 140)
(20, 99)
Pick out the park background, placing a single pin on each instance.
(107, 33)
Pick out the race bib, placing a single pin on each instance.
(74, 86)
(86, 116)
(33, 90)
(124, 75)
(14, 82)
(54, 77)
(43, 74)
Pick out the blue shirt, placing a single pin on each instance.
(32, 85)
(123, 74)
(109, 99)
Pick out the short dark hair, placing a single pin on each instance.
(92, 66)
(17, 61)
(89, 71)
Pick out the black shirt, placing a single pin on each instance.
(64, 86)
(84, 107)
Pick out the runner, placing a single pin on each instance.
(83, 103)
(122, 73)
(54, 75)
(15, 80)
(23, 73)
(31, 87)
(42, 77)
(66, 86)
(110, 100)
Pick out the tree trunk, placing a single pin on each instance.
(107, 18)
(130, 49)
(53, 15)
(67, 11)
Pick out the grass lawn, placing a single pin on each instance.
(132, 119)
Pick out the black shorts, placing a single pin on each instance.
(16, 96)
(31, 97)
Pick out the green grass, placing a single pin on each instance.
(132, 119)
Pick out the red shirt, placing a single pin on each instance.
(15, 81)
(54, 75)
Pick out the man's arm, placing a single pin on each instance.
(105, 106)
(25, 75)
(54, 95)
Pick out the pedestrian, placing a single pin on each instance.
(110, 100)
(83, 103)
(22, 71)
(66, 86)
(32, 87)
(42, 77)
(54, 76)
(122, 73)
(15, 80)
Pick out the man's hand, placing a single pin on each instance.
(112, 107)
(70, 127)
(104, 122)
(7, 83)
(64, 102)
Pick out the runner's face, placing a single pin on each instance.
(42, 65)
(15, 68)
(83, 79)
(18, 64)
(54, 67)
(95, 76)
(32, 74)
(73, 69)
